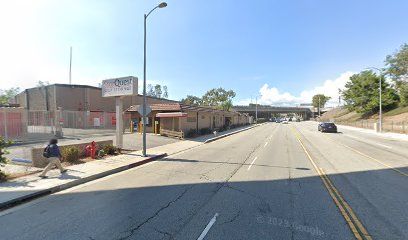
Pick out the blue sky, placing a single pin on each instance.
(283, 51)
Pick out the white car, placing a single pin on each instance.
(285, 121)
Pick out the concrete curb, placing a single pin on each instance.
(229, 134)
(44, 192)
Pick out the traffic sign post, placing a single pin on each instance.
(118, 87)
(119, 122)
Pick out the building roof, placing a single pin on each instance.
(158, 107)
(176, 107)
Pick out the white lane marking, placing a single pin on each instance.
(252, 163)
(379, 144)
(266, 144)
(207, 228)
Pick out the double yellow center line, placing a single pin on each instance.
(354, 223)
(367, 156)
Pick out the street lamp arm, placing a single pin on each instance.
(146, 15)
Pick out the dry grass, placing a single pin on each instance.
(343, 115)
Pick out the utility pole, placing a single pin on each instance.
(380, 103)
(319, 107)
(70, 65)
(339, 97)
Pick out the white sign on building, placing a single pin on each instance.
(116, 87)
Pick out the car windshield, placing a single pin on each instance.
(203, 119)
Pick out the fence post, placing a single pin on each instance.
(57, 123)
(5, 124)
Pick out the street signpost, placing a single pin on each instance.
(117, 88)
(145, 120)
(140, 110)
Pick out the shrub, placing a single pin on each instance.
(3, 145)
(204, 131)
(109, 149)
(222, 129)
(191, 133)
(3, 176)
(70, 154)
(101, 153)
(262, 120)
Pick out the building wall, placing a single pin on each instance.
(204, 120)
(76, 98)
(189, 122)
(73, 99)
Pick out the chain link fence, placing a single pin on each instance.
(20, 125)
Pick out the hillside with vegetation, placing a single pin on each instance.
(342, 114)
(361, 95)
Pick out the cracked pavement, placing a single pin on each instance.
(258, 190)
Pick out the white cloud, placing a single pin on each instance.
(272, 95)
(329, 88)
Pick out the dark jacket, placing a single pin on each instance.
(54, 151)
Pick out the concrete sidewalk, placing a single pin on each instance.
(388, 135)
(26, 188)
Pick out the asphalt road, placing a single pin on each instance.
(271, 182)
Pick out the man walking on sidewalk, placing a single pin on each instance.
(54, 156)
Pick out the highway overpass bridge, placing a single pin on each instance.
(272, 111)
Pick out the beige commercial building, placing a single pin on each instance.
(74, 98)
(177, 119)
(83, 107)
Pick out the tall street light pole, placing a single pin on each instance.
(161, 5)
(380, 98)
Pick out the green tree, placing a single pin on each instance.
(192, 100)
(361, 93)
(219, 98)
(165, 92)
(42, 84)
(320, 98)
(7, 95)
(397, 69)
(150, 91)
(158, 91)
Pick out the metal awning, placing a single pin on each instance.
(171, 114)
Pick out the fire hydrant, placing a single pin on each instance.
(91, 150)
